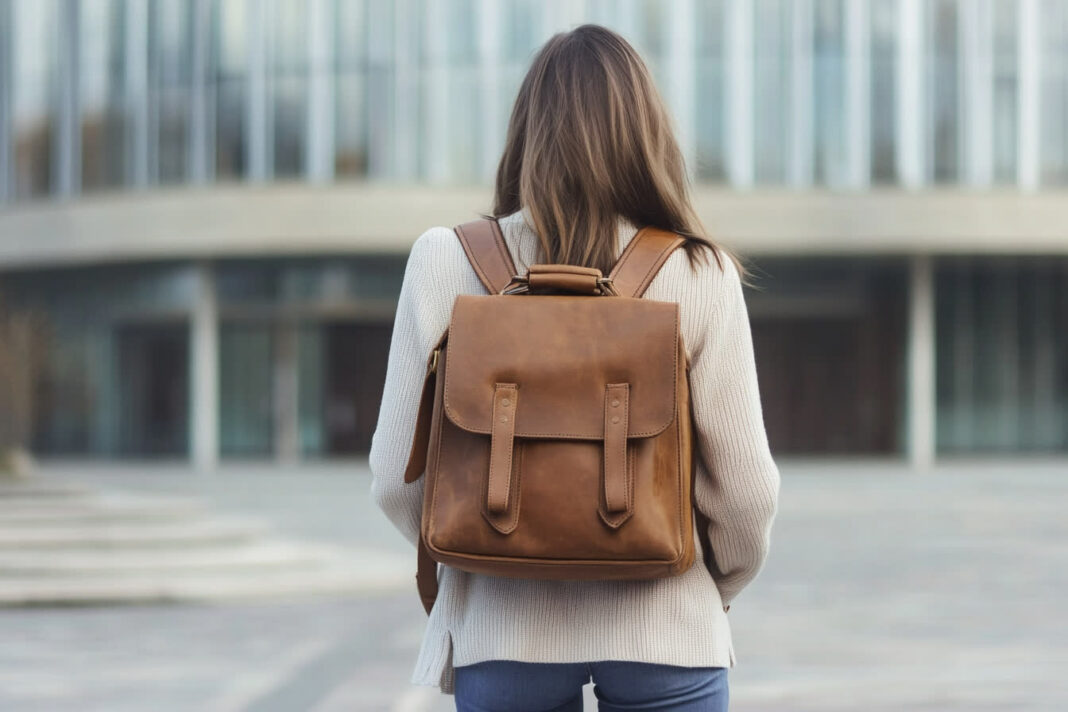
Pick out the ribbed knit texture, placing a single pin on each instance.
(676, 621)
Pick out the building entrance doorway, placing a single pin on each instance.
(153, 386)
(355, 360)
(829, 338)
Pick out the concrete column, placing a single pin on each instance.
(921, 401)
(739, 120)
(286, 385)
(201, 148)
(799, 167)
(490, 116)
(977, 55)
(204, 362)
(135, 85)
(858, 93)
(320, 139)
(682, 77)
(911, 108)
(67, 159)
(1029, 95)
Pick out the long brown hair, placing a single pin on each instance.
(590, 140)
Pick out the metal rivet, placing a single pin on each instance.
(505, 402)
(615, 403)
(504, 418)
(615, 418)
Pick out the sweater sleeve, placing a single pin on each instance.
(422, 316)
(737, 486)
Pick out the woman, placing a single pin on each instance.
(589, 158)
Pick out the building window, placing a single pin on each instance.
(231, 95)
(829, 96)
(350, 157)
(1054, 92)
(943, 91)
(1001, 354)
(101, 94)
(771, 90)
(1006, 90)
(170, 62)
(290, 86)
(34, 62)
(464, 119)
(246, 388)
(883, 91)
(709, 102)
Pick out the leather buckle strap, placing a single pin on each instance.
(499, 492)
(426, 577)
(618, 504)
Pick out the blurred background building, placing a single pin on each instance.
(209, 205)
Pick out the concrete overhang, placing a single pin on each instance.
(379, 218)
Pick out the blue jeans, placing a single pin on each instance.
(508, 686)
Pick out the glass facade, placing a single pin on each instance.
(106, 94)
(126, 95)
(299, 340)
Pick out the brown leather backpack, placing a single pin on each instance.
(555, 426)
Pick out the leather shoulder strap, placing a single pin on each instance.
(486, 250)
(643, 257)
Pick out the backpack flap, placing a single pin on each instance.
(530, 342)
(517, 371)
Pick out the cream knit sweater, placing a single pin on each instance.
(677, 621)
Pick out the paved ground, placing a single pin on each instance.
(886, 590)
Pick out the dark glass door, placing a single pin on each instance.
(153, 382)
(356, 355)
(829, 337)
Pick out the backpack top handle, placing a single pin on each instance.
(569, 279)
(630, 276)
